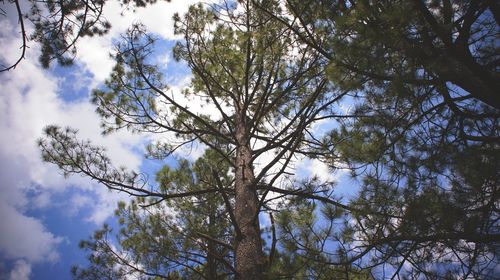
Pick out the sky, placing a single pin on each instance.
(43, 215)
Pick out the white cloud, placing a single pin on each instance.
(26, 237)
(94, 52)
(314, 167)
(21, 271)
(164, 59)
(77, 202)
(29, 101)
(107, 202)
(41, 200)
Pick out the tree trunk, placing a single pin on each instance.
(250, 262)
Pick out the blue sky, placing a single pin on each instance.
(43, 214)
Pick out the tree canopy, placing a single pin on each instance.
(185, 238)
(192, 238)
(57, 26)
(266, 90)
(421, 139)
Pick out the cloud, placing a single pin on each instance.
(21, 237)
(314, 167)
(94, 52)
(107, 202)
(26, 237)
(30, 99)
(21, 271)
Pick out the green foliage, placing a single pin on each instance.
(416, 139)
(259, 78)
(172, 240)
(421, 140)
(58, 25)
(423, 134)
(308, 232)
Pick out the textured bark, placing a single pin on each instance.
(250, 262)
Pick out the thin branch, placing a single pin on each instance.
(24, 37)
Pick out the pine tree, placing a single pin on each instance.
(420, 43)
(267, 89)
(190, 238)
(58, 25)
(422, 137)
(187, 238)
(424, 129)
